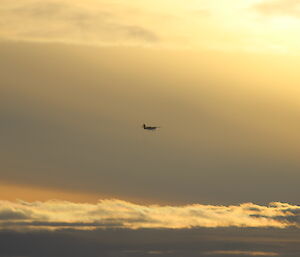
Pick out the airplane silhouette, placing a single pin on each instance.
(149, 127)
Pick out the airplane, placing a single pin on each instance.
(149, 127)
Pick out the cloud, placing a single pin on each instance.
(244, 253)
(200, 242)
(279, 8)
(65, 21)
(57, 214)
(168, 24)
(9, 214)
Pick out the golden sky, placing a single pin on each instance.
(220, 77)
(72, 115)
(227, 25)
(80, 177)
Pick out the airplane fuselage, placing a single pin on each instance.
(149, 127)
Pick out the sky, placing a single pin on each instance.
(79, 175)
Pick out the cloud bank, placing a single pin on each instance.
(200, 242)
(114, 213)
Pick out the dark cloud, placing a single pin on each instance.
(146, 243)
(54, 225)
(8, 214)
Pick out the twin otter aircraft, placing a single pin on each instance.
(149, 127)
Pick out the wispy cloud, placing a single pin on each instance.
(71, 21)
(168, 24)
(57, 214)
(279, 7)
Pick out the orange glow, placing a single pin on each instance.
(12, 192)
